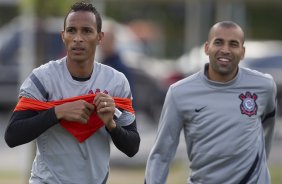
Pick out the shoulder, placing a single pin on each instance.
(186, 86)
(263, 79)
(53, 66)
(188, 81)
(108, 71)
(37, 84)
(116, 81)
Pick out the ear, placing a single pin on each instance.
(63, 36)
(207, 48)
(243, 53)
(100, 37)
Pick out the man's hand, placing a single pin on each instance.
(77, 111)
(105, 105)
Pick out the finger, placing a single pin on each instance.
(102, 102)
(83, 121)
(109, 104)
(97, 100)
(84, 118)
(107, 109)
(87, 111)
(101, 95)
(98, 97)
(89, 107)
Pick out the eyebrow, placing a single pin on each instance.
(230, 41)
(84, 27)
(234, 41)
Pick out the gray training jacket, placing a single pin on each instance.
(224, 126)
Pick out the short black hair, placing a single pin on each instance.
(83, 6)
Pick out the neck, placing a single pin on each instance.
(220, 77)
(81, 69)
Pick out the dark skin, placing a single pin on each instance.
(80, 37)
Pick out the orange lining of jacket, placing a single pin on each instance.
(80, 131)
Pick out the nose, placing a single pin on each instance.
(225, 49)
(77, 37)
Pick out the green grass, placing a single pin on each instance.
(8, 174)
(177, 175)
(9, 177)
(276, 174)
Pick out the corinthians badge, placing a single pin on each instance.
(248, 105)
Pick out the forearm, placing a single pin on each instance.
(25, 126)
(126, 139)
(268, 127)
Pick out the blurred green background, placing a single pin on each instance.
(260, 19)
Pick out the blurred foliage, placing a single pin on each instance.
(42, 9)
(8, 12)
(169, 16)
(52, 7)
(264, 20)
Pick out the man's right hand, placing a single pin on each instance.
(77, 111)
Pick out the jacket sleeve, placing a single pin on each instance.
(166, 143)
(126, 139)
(24, 127)
(268, 121)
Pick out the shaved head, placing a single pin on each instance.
(226, 25)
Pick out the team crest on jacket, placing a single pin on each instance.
(248, 105)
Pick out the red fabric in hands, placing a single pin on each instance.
(80, 131)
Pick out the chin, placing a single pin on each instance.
(77, 58)
(224, 71)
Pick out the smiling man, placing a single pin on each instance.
(227, 114)
(225, 48)
(73, 107)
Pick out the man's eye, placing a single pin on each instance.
(234, 44)
(70, 30)
(88, 31)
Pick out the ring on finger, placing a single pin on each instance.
(105, 104)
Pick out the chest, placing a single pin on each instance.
(65, 88)
(223, 111)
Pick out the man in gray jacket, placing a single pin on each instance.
(227, 114)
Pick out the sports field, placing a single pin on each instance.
(177, 175)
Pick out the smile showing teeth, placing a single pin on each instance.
(223, 59)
